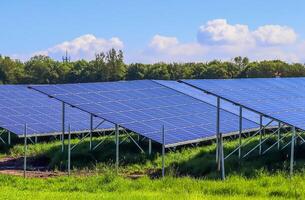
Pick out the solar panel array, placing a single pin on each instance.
(198, 94)
(279, 98)
(144, 106)
(43, 115)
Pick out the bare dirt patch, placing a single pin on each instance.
(14, 166)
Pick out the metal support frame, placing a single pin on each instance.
(30, 139)
(276, 143)
(249, 139)
(82, 139)
(260, 144)
(63, 126)
(149, 146)
(218, 152)
(219, 149)
(240, 130)
(9, 142)
(222, 157)
(163, 151)
(1, 139)
(292, 151)
(91, 129)
(260, 134)
(217, 129)
(89, 134)
(36, 139)
(25, 150)
(117, 142)
(132, 139)
(69, 150)
(279, 136)
(101, 142)
(302, 139)
(8, 137)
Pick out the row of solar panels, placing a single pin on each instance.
(144, 106)
(282, 99)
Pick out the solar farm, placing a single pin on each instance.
(157, 118)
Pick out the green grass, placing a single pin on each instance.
(191, 173)
(184, 161)
(110, 186)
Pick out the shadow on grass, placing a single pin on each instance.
(273, 161)
(184, 161)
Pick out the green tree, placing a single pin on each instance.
(75, 74)
(115, 66)
(157, 71)
(136, 71)
(11, 71)
(42, 69)
(198, 70)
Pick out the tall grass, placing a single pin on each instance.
(191, 173)
(110, 186)
(196, 161)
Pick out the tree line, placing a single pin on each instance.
(110, 66)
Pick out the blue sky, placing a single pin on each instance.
(152, 31)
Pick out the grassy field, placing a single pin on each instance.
(110, 186)
(191, 173)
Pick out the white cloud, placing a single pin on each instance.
(218, 31)
(220, 40)
(169, 49)
(171, 46)
(224, 41)
(275, 35)
(160, 42)
(83, 47)
(216, 39)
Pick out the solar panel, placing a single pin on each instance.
(279, 98)
(198, 94)
(145, 106)
(43, 115)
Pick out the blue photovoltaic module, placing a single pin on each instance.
(279, 98)
(228, 106)
(43, 115)
(145, 106)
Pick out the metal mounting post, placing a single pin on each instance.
(149, 146)
(240, 129)
(91, 129)
(222, 158)
(219, 152)
(63, 126)
(292, 151)
(279, 137)
(260, 134)
(163, 151)
(69, 150)
(117, 142)
(25, 150)
(9, 138)
(217, 129)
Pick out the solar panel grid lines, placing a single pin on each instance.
(102, 99)
(198, 95)
(20, 106)
(144, 107)
(283, 100)
(187, 82)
